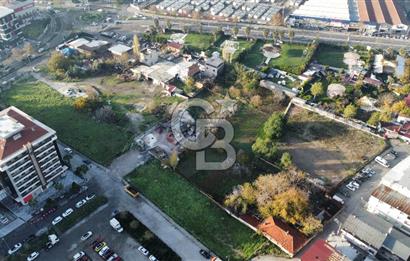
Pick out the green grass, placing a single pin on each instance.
(36, 28)
(100, 141)
(330, 55)
(200, 42)
(146, 237)
(254, 57)
(91, 17)
(224, 235)
(291, 58)
(81, 213)
(244, 45)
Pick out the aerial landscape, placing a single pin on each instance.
(204, 130)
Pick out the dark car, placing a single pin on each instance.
(345, 193)
(205, 254)
(87, 162)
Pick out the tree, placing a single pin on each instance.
(403, 52)
(350, 111)
(173, 159)
(311, 225)
(58, 63)
(275, 36)
(273, 128)
(247, 31)
(168, 24)
(75, 188)
(398, 106)
(81, 170)
(291, 35)
(317, 89)
(185, 28)
(266, 33)
(156, 24)
(234, 92)
(235, 31)
(406, 74)
(265, 148)
(386, 99)
(105, 114)
(136, 48)
(200, 28)
(374, 118)
(241, 197)
(216, 32)
(80, 103)
(256, 101)
(286, 160)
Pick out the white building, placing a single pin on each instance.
(119, 49)
(213, 66)
(391, 199)
(149, 57)
(29, 156)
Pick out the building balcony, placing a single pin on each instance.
(30, 188)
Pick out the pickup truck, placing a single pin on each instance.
(133, 192)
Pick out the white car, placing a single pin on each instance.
(152, 258)
(78, 255)
(355, 184)
(80, 203)
(35, 69)
(68, 150)
(33, 256)
(351, 187)
(68, 212)
(57, 220)
(15, 248)
(90, 197)
(86, 236)
(143, 251)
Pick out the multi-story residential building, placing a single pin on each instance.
(391, 199)
(9, 26)
(29, 156)
(23, 9)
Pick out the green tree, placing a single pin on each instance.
(173, 159)
(168, 24)
(311, 225)
(291, 35)
(156, 24)
(286, 160)
(273, 128)
(317, 89)
(75, 188)
(350, 111)
(58, 63)
(247, 31)
(235, 31)
(266, 33)
(374, 118)
(265, 148)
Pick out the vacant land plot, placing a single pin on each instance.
(199, 41)
(291, 58)
(326, 149)
(100, 141)
(36, 28)
(224, 235)
(330, 55)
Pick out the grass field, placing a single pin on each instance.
(200, 42)
(326, 149)
(36, 27)
(290, 59)
(254, 57)
(100, 141)
(224, 235)
(330, 55)
(243, 46)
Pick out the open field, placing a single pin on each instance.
(254, 57)
(330, 55)
(200, 42)
(326, 149)
(291, 58)
(36, 27)
(99, 141)
(224, 235)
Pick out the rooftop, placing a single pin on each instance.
(78, 42)
(367, 227)
(398, 178)
(119, 49)
(392, 198)
(320, 250)
(328, 10)
(398, 243)
(9, 127)
(29, 130)
(5, 11)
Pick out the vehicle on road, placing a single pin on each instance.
(56, 220)
(15, 248)
(33, 256)
(86, 236)
(90, 197)
(338, 199)
(116, 225)
(152, 258)
(133, 192)
(103, 251)
(143, 250)
(205, 253)
(80, 203)
(382, 161)
(52, 241)
(68, 150)
(351, 187)
(68, 212)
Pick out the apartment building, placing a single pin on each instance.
(29, 156)
(9, 26)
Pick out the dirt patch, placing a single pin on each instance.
(326, 149)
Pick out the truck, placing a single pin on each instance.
(382, 161)
(52, 240)
(133, 192)
(116, 225)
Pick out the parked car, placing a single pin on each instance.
(143, 251)
(100, 246)
(78, 255)
(15, 248)
(86, 236)
(68, 150)
(205, 254)
(90, 197)
(68, 212)
(152, 258)
(33, 256)
(382, 161)
(351, 187)
(56, 220)
(103, 250)
(355, 184)
(133, 192)
(80, 203)
(345, 193)
(3, 219)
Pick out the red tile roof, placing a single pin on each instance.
(381, 11)
(175, 45)
(29, 134)
(321, 251)
(287, 237)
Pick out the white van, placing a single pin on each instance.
(382, 161)
(338, 199)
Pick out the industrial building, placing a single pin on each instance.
(29, 156)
